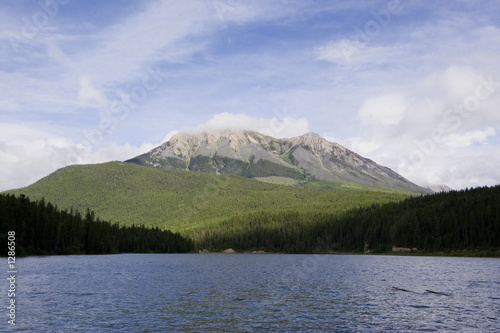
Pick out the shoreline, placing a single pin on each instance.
(495, 254)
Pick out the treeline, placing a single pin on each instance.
(43, 229)
(453, 221)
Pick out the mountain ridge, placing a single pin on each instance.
(251, 154)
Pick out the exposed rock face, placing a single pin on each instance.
(402, 249)
(439, 188)
(367, 249)
(229, 251)
(252, 154)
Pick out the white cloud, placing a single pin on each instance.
(386, 109)
(337, 52)
(21, 131)
(349, 52)
(88, 95)
(459, 167)
(285, 128)
(458, 140)
(359, 145)
(115, 152)
(452, 84)
(8, 105)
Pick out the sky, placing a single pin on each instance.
(413, 85)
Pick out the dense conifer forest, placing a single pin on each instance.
(43, 229)
(451, 222)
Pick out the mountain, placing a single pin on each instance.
(251, 154)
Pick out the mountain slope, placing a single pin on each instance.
(251, 154)
(181, 200)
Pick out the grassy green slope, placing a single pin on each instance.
(183, 200)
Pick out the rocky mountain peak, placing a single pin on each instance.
(308, 138)
(189, 143)
(316, 143)
(251, 154)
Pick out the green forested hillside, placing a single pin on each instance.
(455, 221)
(182, 200)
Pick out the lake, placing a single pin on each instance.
(254, 293)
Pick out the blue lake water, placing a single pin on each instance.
(253, 293)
